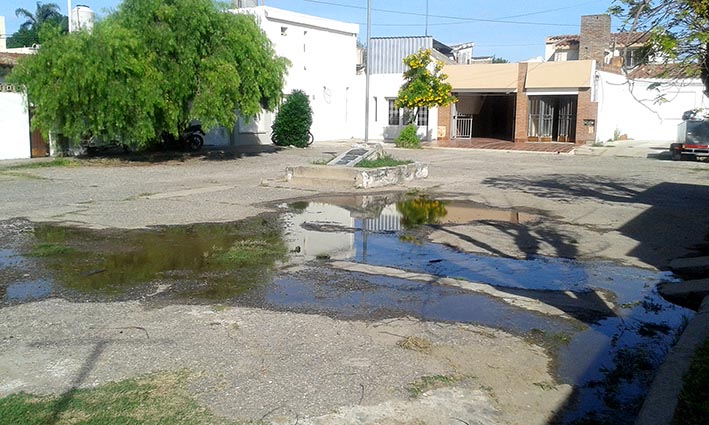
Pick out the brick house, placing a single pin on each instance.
(597, 42)
(521, 102)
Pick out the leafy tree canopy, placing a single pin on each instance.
(679, 31)
(46, 14)
(151, 68)
(424, 83)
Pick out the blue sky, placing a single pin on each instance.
(510, 29)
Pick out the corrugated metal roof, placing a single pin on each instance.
(388, 53)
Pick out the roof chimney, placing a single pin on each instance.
(595, 37)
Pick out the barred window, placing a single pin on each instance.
(394, 116)
(422, 119)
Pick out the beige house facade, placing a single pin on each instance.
(522, 102)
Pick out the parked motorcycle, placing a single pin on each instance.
(192, 139)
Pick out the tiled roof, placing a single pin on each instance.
(9, 59)
(620, 38)
(670, 70)
(569, 37)
(630, 38)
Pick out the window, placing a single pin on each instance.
(422, 119)
(404, 116)
(394, 115)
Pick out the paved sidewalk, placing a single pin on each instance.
(502, 145)
(628, 149)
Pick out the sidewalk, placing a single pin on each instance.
(627, 149)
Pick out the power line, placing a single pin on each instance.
(457, 18)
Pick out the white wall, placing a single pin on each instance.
(15, 126)
(383, 87)
(323, 55)
(634, 108)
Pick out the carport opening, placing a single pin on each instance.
(484, 115)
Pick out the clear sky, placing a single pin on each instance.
(510, 29)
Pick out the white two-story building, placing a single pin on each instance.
(323, 56)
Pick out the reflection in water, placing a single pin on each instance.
(615, 343)
(234, 256)
(420, 210)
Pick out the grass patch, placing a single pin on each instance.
(252, 252)
(321, 161)
(428, 383)
(48, 249)
(154, 399)
(385, 160)
(693, 403)
(56, 162)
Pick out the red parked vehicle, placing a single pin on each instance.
(692, 136)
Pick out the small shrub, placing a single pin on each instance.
(293, 121)
(408, 138)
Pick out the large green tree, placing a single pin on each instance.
(424, 84)
(679, 32)
(150, 68)
(29, 32)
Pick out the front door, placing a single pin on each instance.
(39, 146)
(552, 118)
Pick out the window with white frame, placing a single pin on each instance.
(394, 115)
(402, 116)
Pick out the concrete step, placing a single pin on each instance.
(688, 294)
(695, 265)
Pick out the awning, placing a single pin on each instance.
(559, 75)
(483, 77)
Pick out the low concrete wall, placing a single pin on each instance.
(359, 178)
(661, 401)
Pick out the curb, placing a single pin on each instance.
(661, 401)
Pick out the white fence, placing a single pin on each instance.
(647, 109)
(15, 124)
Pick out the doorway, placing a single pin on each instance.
(552, 118)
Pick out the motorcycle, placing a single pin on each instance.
(192, 139)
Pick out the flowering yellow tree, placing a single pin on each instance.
(425, 85)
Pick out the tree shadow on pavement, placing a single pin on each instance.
(672, 222)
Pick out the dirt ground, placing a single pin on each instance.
(253, 364)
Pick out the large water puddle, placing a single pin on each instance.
(370, 258)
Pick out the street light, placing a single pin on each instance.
(68, 12)
(366, 70)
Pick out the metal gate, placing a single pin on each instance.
(463, 127)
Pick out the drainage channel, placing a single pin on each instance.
(368, 258)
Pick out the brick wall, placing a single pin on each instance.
(444, 120)
(595, 37)
(587, 110)
(521, 106)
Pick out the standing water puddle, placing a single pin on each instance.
(340, 257)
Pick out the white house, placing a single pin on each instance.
(386, 68)
(323, 56)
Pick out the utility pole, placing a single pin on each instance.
(366, 70)
(68, 12)
(426, 34)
